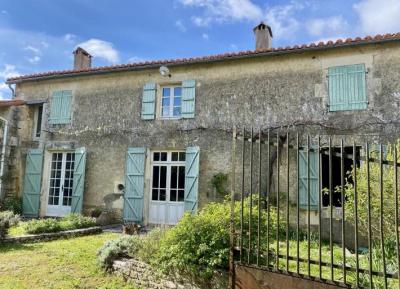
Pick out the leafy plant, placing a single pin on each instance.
(125, 246)
(388, 193)
(42, 226)
(220, 183)
(3, 228)
(96, 212)
(13, 204)
(76, 221)
(10, 217)
(69, 222)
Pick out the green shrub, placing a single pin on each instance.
(125, 246)
(3, 228)
(199, 244)
(10, 217)
(76, 221)
(13, 204)
(42, 226)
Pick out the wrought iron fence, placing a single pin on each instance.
(320, 207)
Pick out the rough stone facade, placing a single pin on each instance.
(270, 92)
(144, 276)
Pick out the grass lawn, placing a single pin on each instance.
(68, 263)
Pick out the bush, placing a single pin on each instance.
(10, 217)
(42, 226)
(199, 244)
(13, 204)
(125, 246)
(3, 228)
(69, 222)
(76, 221)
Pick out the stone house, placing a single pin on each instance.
(146, 139)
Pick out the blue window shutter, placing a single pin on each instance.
(149, 101)
(192, 178)
(347, 87)
(32, 183)
(314, 180)
(134, 185)
(61, 107)
(79, 180)
(188, 98)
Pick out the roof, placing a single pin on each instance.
(12, 102)
(211, 58)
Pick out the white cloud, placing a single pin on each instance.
(282, 19)
(8, 71)
(4, 91)
(70, 38)
(224, 10)
(179, 24)
(102, 49)
(34, 60)
(33, 49)
(334, 25)
(378, 16)
(205, 36)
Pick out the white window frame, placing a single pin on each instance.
(59, 209)
(36, 122)
(171, 101)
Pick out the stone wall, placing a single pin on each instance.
(144, 276)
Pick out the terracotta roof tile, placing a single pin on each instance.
(146, 64)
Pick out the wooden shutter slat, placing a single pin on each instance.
(188, 98)
(78, 181)
(149, 101)
(192, 178)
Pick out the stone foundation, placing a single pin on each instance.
(144, 276)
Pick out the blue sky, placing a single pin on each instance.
(40, 35)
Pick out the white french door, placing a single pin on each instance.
(167, 187)
(61, 183)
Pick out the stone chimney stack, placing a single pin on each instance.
(263, 34)
(82, 59)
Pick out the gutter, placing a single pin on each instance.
(175, 63)
(3, 155)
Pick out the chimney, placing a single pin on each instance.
(263, 35)
(82, 59)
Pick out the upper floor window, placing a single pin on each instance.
(61, 107)
(347, 87)
(171, 102)
(37, 123)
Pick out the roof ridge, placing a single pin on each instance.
(144, 64)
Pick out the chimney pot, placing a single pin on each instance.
(263, 34)
(82, 59)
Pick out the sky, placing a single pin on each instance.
(40, 35)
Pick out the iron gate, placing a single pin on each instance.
(321, 208)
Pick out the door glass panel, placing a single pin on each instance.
(55, 179)
(68, 179)
(61, 179)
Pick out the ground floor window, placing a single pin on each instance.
(167, 187)
(61, 183)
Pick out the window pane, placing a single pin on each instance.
(165, 111)
(164, 157)
(177, 111)
(154, 195)
(39, 120)
(174, 177)
(182, 156)
(181, 195)
(181, 179)
(163, 177)
(165, 101)
(175, 156)
(156, 171)
(166, 91)
(177, 101)
(156, 156)
(178, 91)
(173, 196)
(163, 195)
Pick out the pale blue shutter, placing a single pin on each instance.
(61, 107)
(134, 185)
(32, 183)
(314, 179)
(79, 180)
(149, 101)
(188, 98)
(347, 87)
(192, 178)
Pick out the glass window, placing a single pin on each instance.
(171, 102)
(38, 121)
